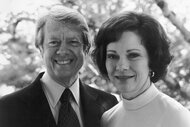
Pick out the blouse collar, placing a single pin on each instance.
(142, 99)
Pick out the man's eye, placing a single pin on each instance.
(75, 43)
(53, 43)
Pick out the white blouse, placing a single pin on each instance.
(151, 109)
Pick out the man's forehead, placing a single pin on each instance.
(56, 29)
(53, 24)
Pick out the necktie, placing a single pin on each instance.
(67, 116)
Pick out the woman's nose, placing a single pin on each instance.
(122, 65)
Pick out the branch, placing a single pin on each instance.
(173, 18)
(14, 25)
(11, 28)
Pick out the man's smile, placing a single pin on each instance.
(64, 62)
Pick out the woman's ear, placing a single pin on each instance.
(151, 73)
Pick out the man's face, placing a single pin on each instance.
(62, 52)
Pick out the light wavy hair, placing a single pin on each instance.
(64, 15)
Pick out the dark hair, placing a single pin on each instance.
(150, 30)
(66, 16)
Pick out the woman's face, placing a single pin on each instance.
(127, 65)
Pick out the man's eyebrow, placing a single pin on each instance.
(53, 37)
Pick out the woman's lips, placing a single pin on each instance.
(123, 77)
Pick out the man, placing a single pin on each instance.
(62, 38)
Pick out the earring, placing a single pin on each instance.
(152, 74)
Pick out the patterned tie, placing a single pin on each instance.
(67, 116)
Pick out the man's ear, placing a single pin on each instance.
(41, 50)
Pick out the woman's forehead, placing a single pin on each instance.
(127, 40)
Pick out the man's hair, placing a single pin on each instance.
(64, 15)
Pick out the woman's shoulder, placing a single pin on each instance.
(111, 116)
(174, 113)
(169, 103)
(114, 110)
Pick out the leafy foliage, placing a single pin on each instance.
(20, 61)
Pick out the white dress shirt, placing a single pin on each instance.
(53, 92)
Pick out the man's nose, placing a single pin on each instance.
(63, 49)
(123, 64)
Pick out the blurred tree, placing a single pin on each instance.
(180, 68)
(18, 50)
(20, 62)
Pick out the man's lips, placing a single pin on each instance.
(64, 62)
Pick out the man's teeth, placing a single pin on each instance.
(64, 62)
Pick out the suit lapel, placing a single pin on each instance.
(90, 108)
(40, 112)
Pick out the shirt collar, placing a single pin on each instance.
(53, 90)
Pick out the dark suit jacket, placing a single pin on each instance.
(29, 107)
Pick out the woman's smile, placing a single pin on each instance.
(127, 64)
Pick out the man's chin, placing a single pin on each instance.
(64, 74)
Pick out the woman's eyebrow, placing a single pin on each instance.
(130, 50)
(110, 50)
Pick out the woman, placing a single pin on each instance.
(132, 51)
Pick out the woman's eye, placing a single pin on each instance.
(111, 56)
(53, 43)
(133, 55)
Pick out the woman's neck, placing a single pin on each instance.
(134, 94)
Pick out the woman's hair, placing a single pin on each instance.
(153, 36)
(66, 16)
